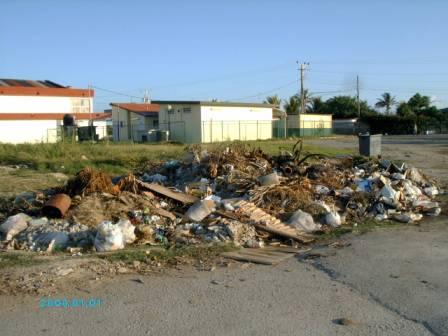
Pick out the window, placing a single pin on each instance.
(187, 109)
(80, 105)
(155, 123)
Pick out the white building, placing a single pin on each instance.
(211, 121)
(31, 111)
(132, 121)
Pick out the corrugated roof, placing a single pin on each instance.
(138, 107)
(29, 83)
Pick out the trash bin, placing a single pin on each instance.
(369, 145)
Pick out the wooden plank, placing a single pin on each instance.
(250, 258)
(177, 196)
(227, 214)
(285, 249)
(164, 213)
(302, 239)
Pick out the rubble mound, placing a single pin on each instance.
(233, 193)
(89, 181)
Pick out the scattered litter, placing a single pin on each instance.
(55, 239)
(268, 180)
(57, 206)
(303, 221)
(201, 209)
(14, 225)
(111, 237)
(333, 219)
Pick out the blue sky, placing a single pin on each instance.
(230, 50)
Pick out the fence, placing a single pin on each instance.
(228, 130)
(349, 128)
(75, 133)
(305, 128)
(222, 130)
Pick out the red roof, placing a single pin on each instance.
(21, 87)
(138, 107)
(54, 116)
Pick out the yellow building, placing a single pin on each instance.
(133, 121)
(210, 121)
(309, 125)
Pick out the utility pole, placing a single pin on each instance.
(357, 96)
(146, 96)
(302, 90)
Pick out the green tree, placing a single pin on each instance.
(273, 100)
(419, 104)
(386, 101)
(405, 110)
(347, 107)
(317, 105)
(292, 106)
(419, 108)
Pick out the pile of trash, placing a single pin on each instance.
(233, 194)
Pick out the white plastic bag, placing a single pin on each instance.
(14, 225)
(128, 231)
(109, 237)
(333, 219)
(303, 221)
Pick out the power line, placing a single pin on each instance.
(384, 73)
(264, 92)
(225, 77)
(116, 92)
(331, 92)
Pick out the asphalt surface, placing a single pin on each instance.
(293, 298)
(402, 269)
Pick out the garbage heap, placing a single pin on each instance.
(233, 194)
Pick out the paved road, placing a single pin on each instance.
(403, 270)
(293, 298)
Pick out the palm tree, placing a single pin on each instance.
(386, 101)
(273, 100)
(317, 105)
(292, 106)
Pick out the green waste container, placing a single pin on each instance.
(369, 144)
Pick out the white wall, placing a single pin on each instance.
(128, 126)
(226, 123)
(235, 113)
(30, 131)
(120, 124)
(34, 104)
(183, 126)
(33, 131)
